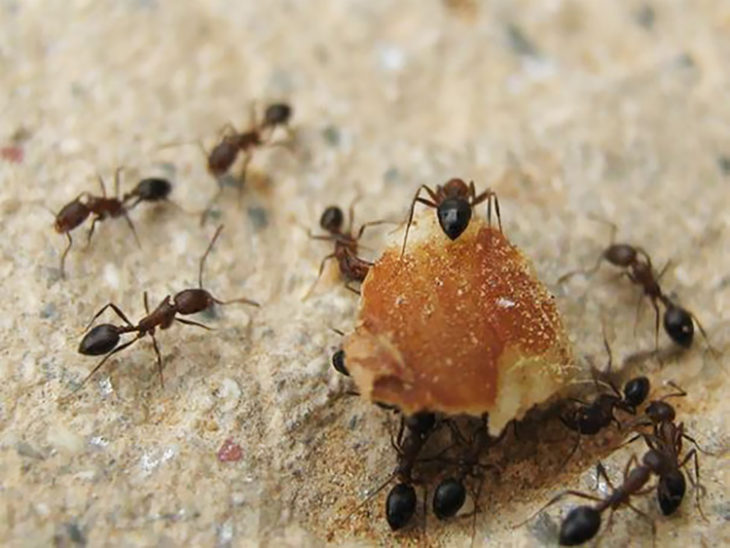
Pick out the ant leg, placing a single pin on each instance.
(196, 324)
(586, 272)
(601, 472)
(656, 325)
(246, 161)
(371, 223)
(680, 392)
(159, 360)
(713, 350)
(351, 212)
(91, 231)
(644, 515)
(432, 203)
(131, 227)
(205, 256)
(98, 366)
(116, 181)
(319, 275)
(211, 203)
(555, 499)
(65, 252)
(116, 309)
(243, 300)
(572, 452)
(490, 196)
(699, 488)
(101, 184)
(353, 289)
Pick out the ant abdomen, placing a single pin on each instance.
(101, 339)
(191, 301)
(678, 325)
(580, 525)
(71, 215)
(449, 497)
(400, 505)
(222, 156)
(636, 391)
(670, 492)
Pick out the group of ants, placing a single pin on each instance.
(453, 203)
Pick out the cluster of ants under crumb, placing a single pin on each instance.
(654, 424)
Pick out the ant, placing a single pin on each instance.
(665, 447)
(103, 339)
(587, 419)
(352, 267)
(223, 155)
(400, 504)
(583, 522)
(78, 210)
(453, 202)
(678, 321)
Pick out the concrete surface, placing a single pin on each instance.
(566, 108)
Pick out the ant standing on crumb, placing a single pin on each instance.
(453, 202)
(223, 155)
(352, 267)
(103, 339)
(678, 321)
(78, 210)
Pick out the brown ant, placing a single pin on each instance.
(583, 522)
(223, 155)
(678, 321)
(453, 202)
(400, 504)
(103, 339)
(352, 267)
(78, 210)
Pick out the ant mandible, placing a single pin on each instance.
(678, 322)
(103, 339)
(453, 202)
(352, 267)
(78, 210)
(222, 156)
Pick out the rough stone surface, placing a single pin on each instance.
(568, 109)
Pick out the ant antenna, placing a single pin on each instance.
(205, 256)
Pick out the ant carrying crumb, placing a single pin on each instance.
(103, 339)
(78, 210)
(678, 322)
(453, 202)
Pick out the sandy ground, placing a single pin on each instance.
(567, 109)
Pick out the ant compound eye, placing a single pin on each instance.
(99, 340)
(448, 498)
(338, 362)
(454, 215)
(636, 390)
(580, 525)
(400, 506)
(332, 219)
(679, 326)
(278, 113)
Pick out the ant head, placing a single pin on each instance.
(448, 498)
(678, 325)
(99, 340)
(153, 189)
(670, 492)
(277, 114)
(338, 362)
(580, 525)
(456, 188)
(620, 254)
(332, 219)
(421, 423)
(636, 390)
(400, 505)
(660, 411)
(454, 215)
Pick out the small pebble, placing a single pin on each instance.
(230, 451)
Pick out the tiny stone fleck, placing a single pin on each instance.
(230, 451)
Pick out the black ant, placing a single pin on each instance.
(587, 419)
(453, 202)
(223, 155)
(678, 321)
(103, 339)
(583, 522)
(352, 267)
(400, 504)
(665, 446)
(151, 189)
(78, 210)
